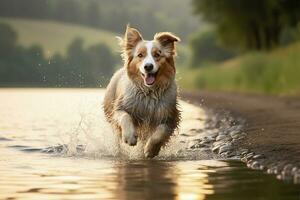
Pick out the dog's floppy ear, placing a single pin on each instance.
(128, 43)
(167, 40)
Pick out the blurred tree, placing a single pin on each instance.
(93, 15)
(68, 11)
(25, 67)
(205, 48)
(250, 24)
(101, 64)
(8, 39)
(112, 15)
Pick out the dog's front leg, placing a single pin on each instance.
(125, 122)
(154, 143)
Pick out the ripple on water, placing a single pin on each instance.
(80, 157)
(3, 139)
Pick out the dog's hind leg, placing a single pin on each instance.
(124, 120)
(154, 143)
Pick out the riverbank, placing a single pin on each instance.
(271, 131)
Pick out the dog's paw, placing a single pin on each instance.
(129, 137)
(151, 150)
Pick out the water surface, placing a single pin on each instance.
(55, 144)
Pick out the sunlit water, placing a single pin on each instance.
(55, 144)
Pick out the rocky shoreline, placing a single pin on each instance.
(229, 132)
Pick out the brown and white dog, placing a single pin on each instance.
(141, 99)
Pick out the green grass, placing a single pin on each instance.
(55, 37)
(276, 72)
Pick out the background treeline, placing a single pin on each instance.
(112, 15)
(262, 36)
(250, 24)
(26, 67)
(237, 27)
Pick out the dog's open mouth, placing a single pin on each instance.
(149, 78)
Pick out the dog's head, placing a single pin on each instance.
(150, 63)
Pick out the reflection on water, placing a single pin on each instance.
(31, 120)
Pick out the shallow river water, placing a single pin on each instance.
(55, 144)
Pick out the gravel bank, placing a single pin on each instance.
(262, 131)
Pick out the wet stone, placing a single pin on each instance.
(197, 140)
(195, 146)
(244, 151)
(294, 170)
(287, 171)
(213, 134)
(259, 156)
(288, 167)
(279, 177)
(276, 170)
(208, 139)
(220, 137)
(249, 156)
(215, 149)
(226, 154)
(218, 143)
(235, 134)
(297, 178)
(224, 148)
(262, 167)
(255, 165)
(244, 159)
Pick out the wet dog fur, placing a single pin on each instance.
(141, 99)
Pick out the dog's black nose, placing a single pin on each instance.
(148, 67)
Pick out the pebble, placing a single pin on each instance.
(276, 170)
(211, 133)
(294, 170)
(262, 167)
(258, 156)
(208, 139)
(244, 159)
(218, 143)
(244, 151)
(297, 178)
(235, 134)
(223, 138)
(288, 167)
(249, 155)
(226, 154)
(270, 171)
(216, 148)
(255, 165)
(197, 146)
(224, 148)
(225, 133)
(287, 171)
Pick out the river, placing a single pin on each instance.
(56, 144)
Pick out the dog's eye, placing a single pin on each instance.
(156, 55)
(140, 55)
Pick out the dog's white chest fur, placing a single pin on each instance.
(151, 107)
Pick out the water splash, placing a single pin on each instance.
(93, 137)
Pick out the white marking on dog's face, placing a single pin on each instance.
(148, 59)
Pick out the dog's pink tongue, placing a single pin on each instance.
(149, 79)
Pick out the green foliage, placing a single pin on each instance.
(111, 15)
(277, 72)
(80, 67)
(205, 48)
(250, 24)
(55, 37)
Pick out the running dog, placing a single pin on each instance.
(141, 99)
